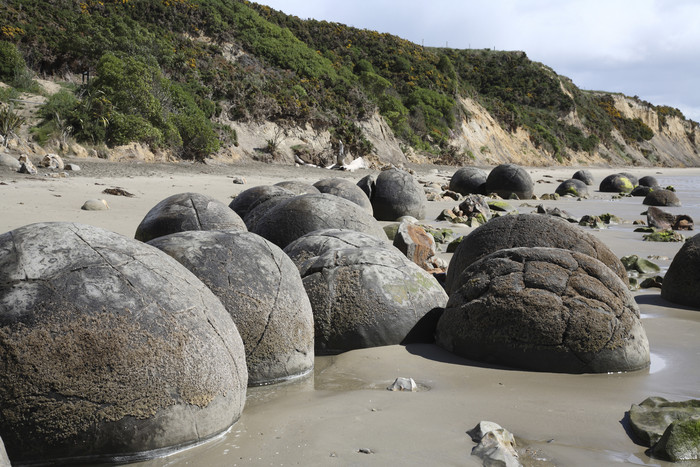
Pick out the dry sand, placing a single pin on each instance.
(327, 418)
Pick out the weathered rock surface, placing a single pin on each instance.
(367, 184)
(680, 441)
(641, 190)
(255, 196)
(572, 187)
(262, 205)
(261, 289)
(469, 180)
(187, 211)
(661, 198)
(496, 445)
(345, 189)
(298, 188)
(616, 183)
(95, 205)
(682, 281)
(527, 230)
(110, 348)
(52, 161)
(416, 244)
(650, 419)
(585, 176)
(367, 297)
(319, 242)
(544, 309)
(8, 161)
(396, 193)
(510, 179)
(649, 181)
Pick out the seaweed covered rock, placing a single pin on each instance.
(345, 189)
(572, 187)
(661, 197)
(616, 183)
(396, 193)
(682, 281)
(367, 297)
(111, 348)
(509, 179)
(469, 180)
(300, 215)
(320, 241)
(584, 175)
(187, 211)
(544, 309)
(527, 230)
(650, 419)
(261, 289)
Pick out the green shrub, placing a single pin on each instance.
(11, 62)
(124, 129)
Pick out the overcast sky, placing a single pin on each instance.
(647, 48)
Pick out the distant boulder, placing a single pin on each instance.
(648, 180)
(509, 179)
(585, 176)
(572, 187)
(616, 183)
(634, 180)
(469, 180)
(345, 189)
(682, 281)
(397, 193)
(662, 197)
(641, 190)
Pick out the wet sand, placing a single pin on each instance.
(344, 407)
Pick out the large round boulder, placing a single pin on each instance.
(367, 184)
(261, 289)
(616, 183)
(544, 309)
(682, 281)
(110, 349)
(584, 175)
(254, 196)
(631, 177)
(648, 180)
(507, 180)
(298, 188)
(572, 187)
(187, 211)
(367, 297)
(468, 181)
(345, 189)
(320, 241)
(300, 215)
(527, 230)
(396, 194)
(661, 197)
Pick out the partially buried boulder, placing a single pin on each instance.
(396, 193)
(187, 211)
(320, 241)
(300, 215)
(527, 230)
(416, 244)
(111, 349)
(682, 281)
(616, 183)
(649, 181)
(661, 197)
(650, 419)
(261, 289)
(572, 187)
(345, 189)
(507, 180)
(367, 297)
(544, 309)
(584, 175)
(469, 180)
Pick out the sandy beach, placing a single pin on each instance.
(344, 407)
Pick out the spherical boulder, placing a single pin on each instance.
(616, 183)
(345, 189)
(584, 175)
(648, 180)
(300, 215)
(320, 241)
(255, 196)
(259, 208)
(397, 193)
(468, 181)
(187, 211)
(641, 190)
(507, 180)
(367, 184)
(544, 309)
(111, 349)
(527, 230)
(261, 289)
(572, 187)
(367, 297)
(661, 197)
(632, 178)
(682, 281)
(298, 188)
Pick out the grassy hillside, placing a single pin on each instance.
(162, 69)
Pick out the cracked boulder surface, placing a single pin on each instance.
(682, 281)
(297, 216)
(396, 194)
(367, 297)
(187, 211)
(527, 230)
(320, 241)
(109, 348)
(544, 309)
(262, 291)
(345, 189)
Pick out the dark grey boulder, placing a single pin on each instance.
(255, 196)
(367, 297)
(633, 179)
(111, 349)
(298, 188)
(321, 241)
(584, 175)
(544, 309)
(397, 193)
(650, 419)
(367, 184)
(300, 215)
(527, 230)
(469, 180)
(641, 190)
(187, 211)
(616, 183)
(345, 189)
(682, 281)
(509, 179)
(261, 289)
(259, 208)
(648, 180)
(572, 187)
(661, 197)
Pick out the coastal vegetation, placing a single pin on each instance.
(161, 72)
